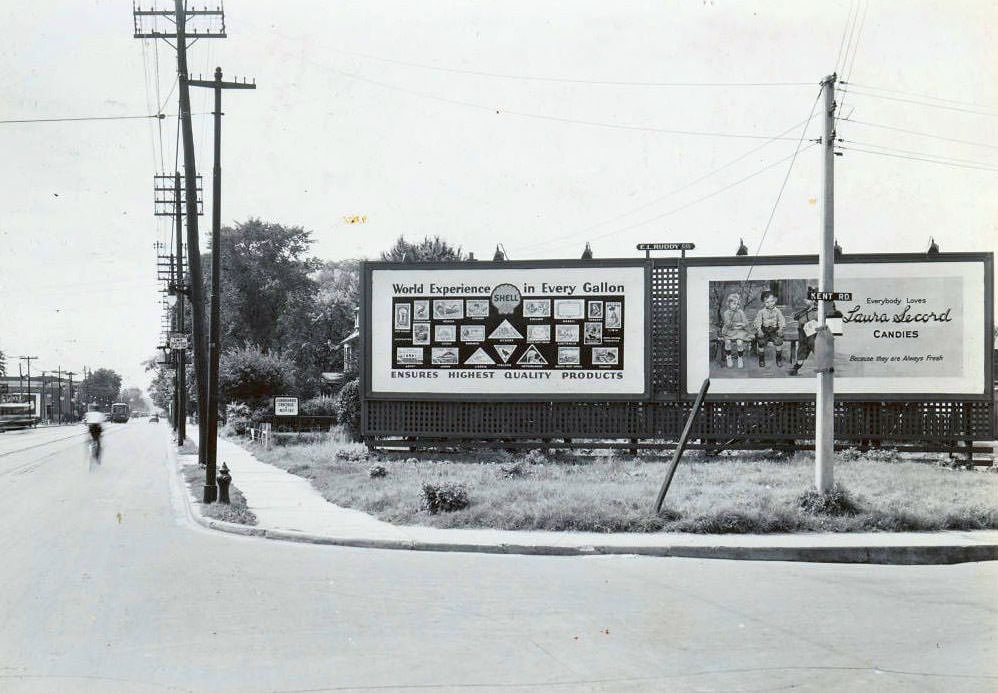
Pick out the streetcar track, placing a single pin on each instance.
(33, 464)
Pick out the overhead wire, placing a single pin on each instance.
(702, 198)
(847, 72)
(672, 192)
(783, 186)
(539, 116)
(914, 101)
(565, 80)
(982, 167)
(915, 151)
(917, 133)
(845, 30)
(80, 118)
(920, 95)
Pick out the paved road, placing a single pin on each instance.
(106, 586)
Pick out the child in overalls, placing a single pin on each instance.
(807, 320)
(769, 324)
(733, 329)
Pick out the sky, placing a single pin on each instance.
(538, 125)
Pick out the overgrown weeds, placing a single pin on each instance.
(235, 511)
(748, 493)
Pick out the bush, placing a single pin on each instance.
(377, 471)
(348, 407)
(248, 375)
(835, 502)
(318, 406)
(447, 497)
(351, 453)
(237, 418)
(513, 471)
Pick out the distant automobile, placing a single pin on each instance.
(154, 418)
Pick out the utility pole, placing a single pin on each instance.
(72, 401)
(824, 439)
(179, 17)
(29, 359)
(210, 440)
(60, 392)
(180, 378)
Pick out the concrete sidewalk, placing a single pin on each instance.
(288, 507)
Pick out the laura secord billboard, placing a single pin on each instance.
(910, 327)
(532, 330)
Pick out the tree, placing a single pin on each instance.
(336, 305)
(134, 398)
(3, 364)
(161, 388)
(247, 374)
(427, 250)
(267, 293)
(101, 387)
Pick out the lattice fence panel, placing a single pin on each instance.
(665, 328)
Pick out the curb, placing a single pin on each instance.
(880, 555)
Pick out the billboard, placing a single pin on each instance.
(511, 330)
(910, 328)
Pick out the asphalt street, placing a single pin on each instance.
(108, 586)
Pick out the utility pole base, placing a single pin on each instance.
(210, 493)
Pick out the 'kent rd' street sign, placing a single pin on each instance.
(814, 295)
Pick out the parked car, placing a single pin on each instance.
(154, 418)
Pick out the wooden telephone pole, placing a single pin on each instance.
(210, 439)
(824, 412)
(179, 33)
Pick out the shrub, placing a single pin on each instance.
(377, 471)
(835, 502)
(533, 457)
(351, 453)
(447, 496)
(237, 418)
(318, 406)
(513, 471)
(348, 407)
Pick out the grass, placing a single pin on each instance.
(236, 511)
(748, 493)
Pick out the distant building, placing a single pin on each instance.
(45, 395)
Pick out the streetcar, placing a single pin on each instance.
(119, 412)
(16, 414)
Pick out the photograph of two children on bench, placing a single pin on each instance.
(761, 328)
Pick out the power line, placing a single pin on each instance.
(704, 197)
(911, 93)
(783, 186)
(540, 116)
(83, 118)
(847, 74)
(915, 151)
(916, 132)
(849, 28)
(915, 158)
(920, 103)
(566, 80)
(674, 191)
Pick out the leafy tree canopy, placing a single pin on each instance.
(101, 386)
(427, 250)
(247, 374)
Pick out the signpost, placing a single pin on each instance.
(648, 247)
(286, 406)
(815, 295)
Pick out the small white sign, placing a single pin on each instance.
(286, 406)
(178, 340)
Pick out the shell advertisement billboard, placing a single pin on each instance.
(528, 330)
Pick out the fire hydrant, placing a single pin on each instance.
(223, 479)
